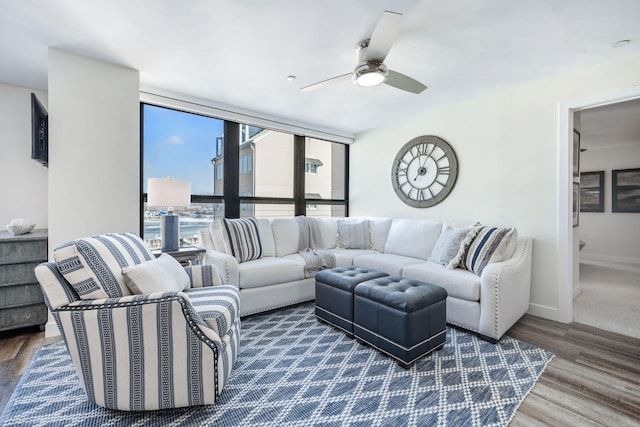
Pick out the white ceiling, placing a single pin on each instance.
(240, 52)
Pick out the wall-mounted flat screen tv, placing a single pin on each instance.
(39, 132)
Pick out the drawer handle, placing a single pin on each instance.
(27, 291)
(27, 314)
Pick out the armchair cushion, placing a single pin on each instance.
(157, 275)
(93, 265)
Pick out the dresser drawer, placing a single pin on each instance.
(14, 274)
(13, 252)
(11, 296)
(19, 317)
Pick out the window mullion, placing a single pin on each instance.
(231, 153)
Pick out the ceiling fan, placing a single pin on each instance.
(371, 70)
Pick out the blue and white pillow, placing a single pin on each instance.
(241, 238)
(93, 265)
(489, 245)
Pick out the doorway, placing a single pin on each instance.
(608, 288)
(568, 238)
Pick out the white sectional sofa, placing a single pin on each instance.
(488, 303)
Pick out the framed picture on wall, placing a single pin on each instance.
(576, 153)
(625, 190)
(576, 203)
(592, 191)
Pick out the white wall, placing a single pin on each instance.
(23, 193)
(507, 148)
(610, 236)
(94, 148)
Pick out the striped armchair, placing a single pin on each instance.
(173, 344)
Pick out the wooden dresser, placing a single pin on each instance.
(21, 300)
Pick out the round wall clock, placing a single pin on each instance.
(424, 171)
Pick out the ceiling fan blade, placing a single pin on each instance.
(400, 81)
(327, 82)
(383, 36)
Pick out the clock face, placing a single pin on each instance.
(424, 171)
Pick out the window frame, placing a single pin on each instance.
(229, 149)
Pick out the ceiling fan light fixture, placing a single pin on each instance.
(370, 74)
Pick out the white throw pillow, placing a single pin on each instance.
(285, 236)
(412, 237)
(379, 231)
(163, 274)
(448, 244)
(329, 231)
(266, 237)
(354, 234)
(216, 234)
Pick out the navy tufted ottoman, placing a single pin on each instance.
(334, 294)
(405, 319)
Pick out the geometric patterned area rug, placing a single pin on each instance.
(294, 371)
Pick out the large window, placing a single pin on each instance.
(238, 170)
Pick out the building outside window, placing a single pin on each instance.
(311, 165)
(191, 147)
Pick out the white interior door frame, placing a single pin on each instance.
(565, 229)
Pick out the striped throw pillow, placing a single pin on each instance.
(491, 244)
(93, 265)
(241, 238)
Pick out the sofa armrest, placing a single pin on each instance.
(505, 289)
(227, 266)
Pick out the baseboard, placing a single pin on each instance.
(606, 259)
(543, 311)
(51, 329)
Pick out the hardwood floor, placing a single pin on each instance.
(16, 350)
(593, 380)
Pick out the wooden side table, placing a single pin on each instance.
(186, 256)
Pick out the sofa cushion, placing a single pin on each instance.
(163, 274)
(345, 256)
(414, 238)
(458, 283)
(354, 234)
(216, 236)
(329, 231)
(266, 237)
(389, 263)
(205, 239)
(448, 244)
(490, 244)
(379, 231)
(93, 265)
(285, 235)
(241, 238)
(269, 271)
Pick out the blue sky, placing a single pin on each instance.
(180, 145)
